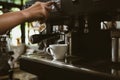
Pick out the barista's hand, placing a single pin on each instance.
(38, 11)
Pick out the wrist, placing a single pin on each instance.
(25, 14)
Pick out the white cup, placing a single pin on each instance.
(58, 51)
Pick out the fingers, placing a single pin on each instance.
(49, 3)
(48, 6)
(41, 10)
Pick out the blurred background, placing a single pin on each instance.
(23, 30)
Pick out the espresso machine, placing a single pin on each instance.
(92, 46)
(84, 35)
(87, 39)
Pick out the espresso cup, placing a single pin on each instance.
(58, 51)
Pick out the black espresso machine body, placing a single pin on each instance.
(85, 37)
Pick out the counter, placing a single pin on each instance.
(71, 68)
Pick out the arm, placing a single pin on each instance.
(11, 19)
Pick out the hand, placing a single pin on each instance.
(38, 11)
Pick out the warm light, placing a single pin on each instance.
(15, 34)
